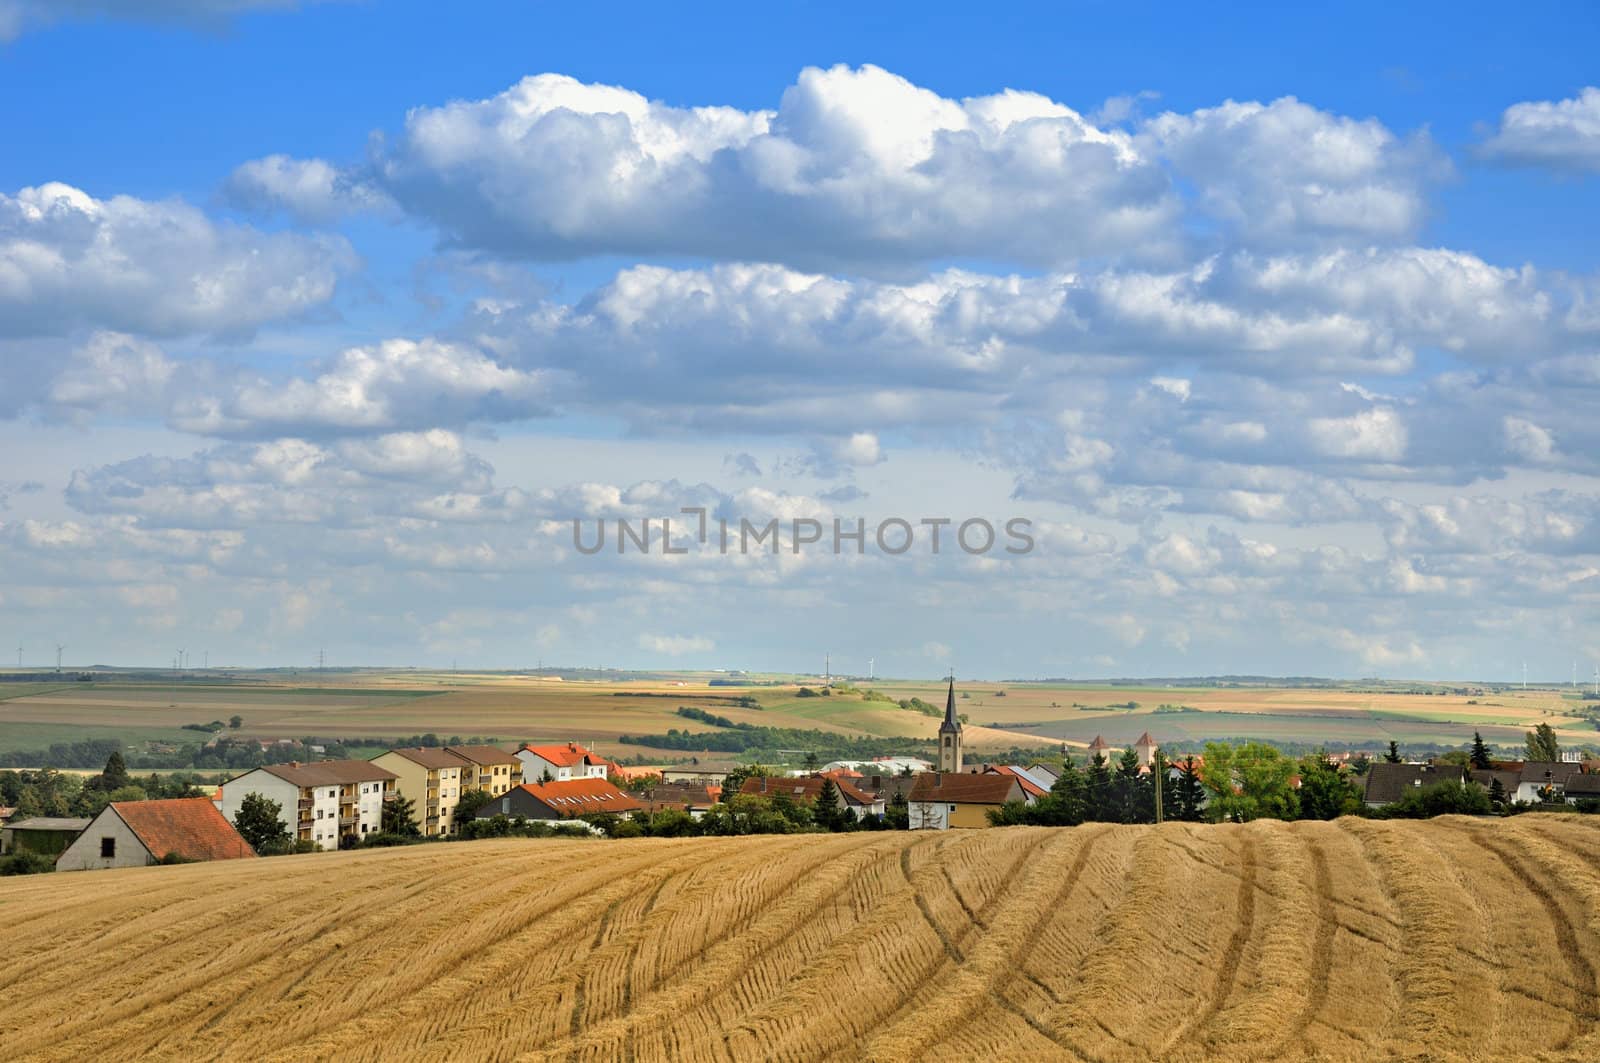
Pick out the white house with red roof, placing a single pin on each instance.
(561, 762)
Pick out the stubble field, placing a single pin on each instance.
(1351, 940)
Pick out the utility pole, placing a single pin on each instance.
(19, 656)
(1158, 765)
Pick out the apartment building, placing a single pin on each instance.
(561, 763)
(431, 780)
(319, 802)
(487, 768)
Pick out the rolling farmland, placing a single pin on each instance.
(1452, 938)
(517, 708)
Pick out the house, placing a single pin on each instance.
(552, 802)
(139, 833)
(881, 765)
(318, 802)
(1387, 783)
(695, 800)
(487, 768)
(1031, 791)
(431, 780)
(1487, 777)
(1537, 775)
(561, 762)
(45, 835)
(707, 773)
(1582, 787)
(942, 800)
(806, 790)
(885, 787)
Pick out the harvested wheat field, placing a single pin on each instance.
(1353, 940)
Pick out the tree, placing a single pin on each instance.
(1542, 744)
(1325, 792)
(1393, 756)
(468, 804)
(1497, 793)
(258, 823)
(1191, 792)
(1480, 752)
(235, 722)
(1460, 758)
(734, 780)
(115, 775)
(897, 814)
(1451, 797)
(1100, 804)
(1249, 781)
(827, 811)
(1135, 801)
(400, 817)
(811, 762)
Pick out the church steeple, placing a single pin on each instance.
(950, 734)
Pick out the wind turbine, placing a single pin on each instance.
(59, 648)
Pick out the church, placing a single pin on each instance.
(949, 797)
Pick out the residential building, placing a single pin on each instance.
(1538, 775)
(942, 801)
(139, 833)
(885, 787)
(1583, 787)
(806, 790)
(318, 802)
(45, 835)
(431, 780)
(561, 762)
(950, 734)
(487, 768)
(685, 797)
(881, 765)
(706, 773)
(1388, 783)
(552, 802)
(1031, 791)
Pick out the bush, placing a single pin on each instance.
(385, 840)
(671, 823)
(26, 863)
(1441, 799)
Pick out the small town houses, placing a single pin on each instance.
(319, 802)
(560, 763)
(554, 802)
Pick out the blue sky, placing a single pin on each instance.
(1272, 318)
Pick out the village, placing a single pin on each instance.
(461, 792)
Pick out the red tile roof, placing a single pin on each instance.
(805, 789)
(567, 755)
(966, 789)
(190, 827)
(579, 797)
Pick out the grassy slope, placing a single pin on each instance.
(1348, 940)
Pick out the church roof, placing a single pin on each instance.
(1144, 740)
(1098, 743)
(951, 722)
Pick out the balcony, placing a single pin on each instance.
(347, 821)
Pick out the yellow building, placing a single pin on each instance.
(942, 801)
(487, 768)
(431, 780)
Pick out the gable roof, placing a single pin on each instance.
(990, 789)
(1485, 778)
(566, 755)
(483, 756)
(1585, 785)
(435, 757)
(1535, 771)
(1387, 783)
(805, 789)
(329, 772)
(1029, 787)
(190, 827)
(677, 795)
(578, 797)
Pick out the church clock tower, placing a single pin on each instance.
(950, 735)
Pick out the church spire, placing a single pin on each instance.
(950, 759)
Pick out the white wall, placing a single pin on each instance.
(287, 794)
(84, 853)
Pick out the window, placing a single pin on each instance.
(952, 808)
(108, 848)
